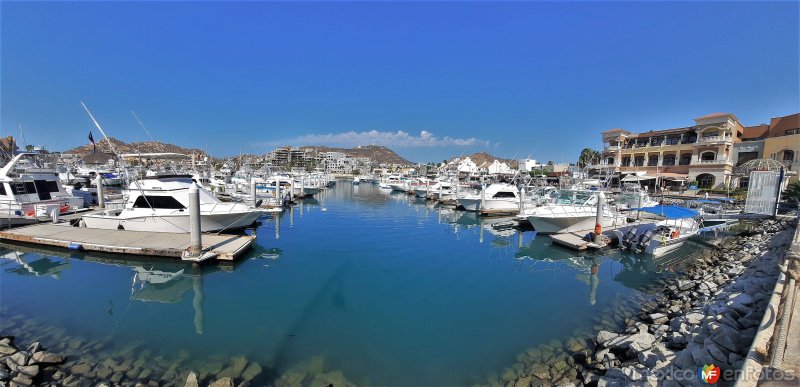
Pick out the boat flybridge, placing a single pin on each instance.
(161, 204)
(29, 188)
(572, 211)
(665, 236)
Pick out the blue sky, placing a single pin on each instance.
(430, 80)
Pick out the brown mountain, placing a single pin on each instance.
(134, 147)
(377, 153)
(481, 158)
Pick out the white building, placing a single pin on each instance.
(529, 165)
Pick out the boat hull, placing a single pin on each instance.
(554, 225)
(170, 223)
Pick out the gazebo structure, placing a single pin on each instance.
(743, 171)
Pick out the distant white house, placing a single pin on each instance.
(466, 165)
(498, 168)
(529, 165)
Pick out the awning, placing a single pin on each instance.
(674, 176)
(637, 178)
(669, 212)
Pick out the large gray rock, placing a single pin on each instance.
(45, 357)
(635, 343)
(604, 337)
(729, 340)
(224, 382)
(191, 380)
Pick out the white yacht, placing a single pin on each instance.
(29, 189)
(497, 197)
(572, 211)
(160, 204)
(633, 196)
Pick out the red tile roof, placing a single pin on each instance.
(757, 131)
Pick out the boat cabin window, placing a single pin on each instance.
(45, 188)
(574, 197)
(164, 202)
(25, 188)
(503, 194)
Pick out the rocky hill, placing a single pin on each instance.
(482, 157)
(377, 153)
(133, 147)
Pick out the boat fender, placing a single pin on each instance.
(75, 246)
(675, 234)
(120, 227)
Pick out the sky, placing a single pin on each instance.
(431, 80)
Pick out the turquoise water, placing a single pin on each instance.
(385, 287)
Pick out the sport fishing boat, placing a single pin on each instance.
(497, 197)
(662, 237)
(160, 204)
(572, 211)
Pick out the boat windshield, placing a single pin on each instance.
(574, 197)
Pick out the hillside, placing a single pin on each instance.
(482, 157)
(377, 153)
(133, 147)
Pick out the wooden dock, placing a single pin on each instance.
(141, 243)
(575, 241)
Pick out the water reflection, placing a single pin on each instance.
(31, 264)
(152, 279)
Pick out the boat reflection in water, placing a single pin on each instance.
(153, 280)
(31, 264)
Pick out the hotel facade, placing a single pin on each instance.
(707, 152)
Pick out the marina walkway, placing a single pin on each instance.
(222, 247)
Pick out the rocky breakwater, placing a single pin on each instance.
(708, 312)
(27, 367)
(709, 315)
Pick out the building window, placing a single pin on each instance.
(708, 156)
(705, 180)
(626, 161)
(686, 159)
(638, 161)
(652, 161)
(745, 157)
(610, 161)
(669, 159)
(793, 131)
(788, 155)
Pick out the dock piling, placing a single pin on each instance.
(196, 249)
(598, 223)
(101, 202)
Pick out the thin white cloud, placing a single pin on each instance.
(374, 137)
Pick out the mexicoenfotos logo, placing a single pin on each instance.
(708, 374)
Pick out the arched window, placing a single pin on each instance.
(705, 180)
(708, 156)
(788, 155)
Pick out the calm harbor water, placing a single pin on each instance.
(386, 288)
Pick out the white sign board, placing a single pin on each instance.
(762, 192)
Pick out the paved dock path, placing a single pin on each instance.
(226, 247)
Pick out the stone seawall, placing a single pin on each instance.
(709, 314)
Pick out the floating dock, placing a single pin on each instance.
(574, 241)
(141, 243)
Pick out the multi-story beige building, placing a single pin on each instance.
(702, 152)
(706, 152)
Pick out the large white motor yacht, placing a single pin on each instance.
(497, 197)
(161, 204)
